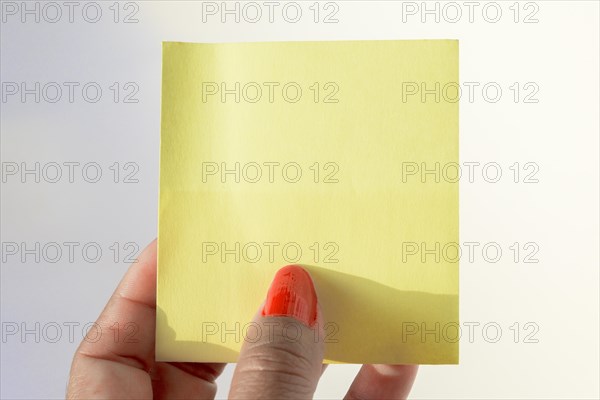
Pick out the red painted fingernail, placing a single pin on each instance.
(292, 294)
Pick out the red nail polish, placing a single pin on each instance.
(292, 294)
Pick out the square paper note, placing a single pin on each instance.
(339, 156)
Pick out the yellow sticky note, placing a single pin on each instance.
(339, 156)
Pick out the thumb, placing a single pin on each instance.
(284, 359)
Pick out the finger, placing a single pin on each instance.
(285, 360)
(185, 380)
(380, 381)
(117, 355)
(119, 346)
(124, 331)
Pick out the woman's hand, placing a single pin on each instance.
(273, 366)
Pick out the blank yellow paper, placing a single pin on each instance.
(310, 153)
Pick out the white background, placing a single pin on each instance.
(558, 295)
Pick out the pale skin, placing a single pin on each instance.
(119, 369)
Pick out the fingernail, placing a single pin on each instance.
(292, 294)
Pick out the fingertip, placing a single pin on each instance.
(292, 294)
